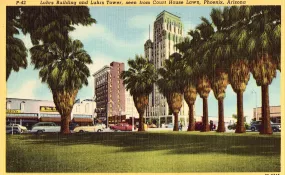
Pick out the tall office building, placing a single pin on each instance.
(109, 93)
(167, 31)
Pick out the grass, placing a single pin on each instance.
(144, 152)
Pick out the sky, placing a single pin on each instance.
(120, 34)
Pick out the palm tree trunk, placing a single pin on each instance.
(175, 128)
(64, 101)
(206, 126)
(221, 124)
(141, 123)
(65, 124)
(191, 126)
(240, 119)
(266, 126)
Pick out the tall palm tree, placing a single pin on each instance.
(52, 24)
(239, 77)
(238, 72)
(205, 30)
(139, 80)
(65, 72)
(261, 26)
(220, 47)
(16, 52)
(189, 77)
(170, 84)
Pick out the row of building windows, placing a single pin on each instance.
(22, 105)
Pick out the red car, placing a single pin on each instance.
(122, 127)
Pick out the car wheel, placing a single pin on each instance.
(99, 130)
(39, 132)
(81, 131)
(253, 129)
(274, 129)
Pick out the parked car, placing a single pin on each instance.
(199, 126)
(92, 128)
(256, 126)
(22, 128)
(122, 127)
(13, 129)
(169, 125)
(42, 127)
(152, 126)
(233, 126)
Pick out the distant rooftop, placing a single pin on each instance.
(166, 12)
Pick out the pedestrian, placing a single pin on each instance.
(211, 125)
(180, 127)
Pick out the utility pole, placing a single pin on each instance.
(253, 92)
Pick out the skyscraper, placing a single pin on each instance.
(167, 31)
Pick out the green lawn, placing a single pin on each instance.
(144, 152)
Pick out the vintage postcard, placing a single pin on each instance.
(142, 86)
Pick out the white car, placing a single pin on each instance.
(42, 127)
(22, 128)
(95, 128)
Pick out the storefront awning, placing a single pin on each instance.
(24, 118)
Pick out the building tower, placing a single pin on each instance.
(167, 31)
(109, 93)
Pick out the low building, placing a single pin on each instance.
(27, 112)
(275, 114)
(83, 111)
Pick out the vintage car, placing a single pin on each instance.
(122, 127)
(42, 127)
(93, 128)
(256, 126)
(13, 130)
(22, 128)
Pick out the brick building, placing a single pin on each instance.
(110, 93)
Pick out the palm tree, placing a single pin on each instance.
(218, 57)
(264, 48)
(205, 30)
(65, 72)
(52, 24)
(226, 54)
(189, 77)
(16, 52)
(139, 80)
(170, 84)
(262, 28)
(239, 77)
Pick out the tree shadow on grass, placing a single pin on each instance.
(174, 143)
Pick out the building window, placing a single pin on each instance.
(8, 104)
(22, 106)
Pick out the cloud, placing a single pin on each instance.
(99, 61)
(141, 21)
(26, 90)
(99, 33)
